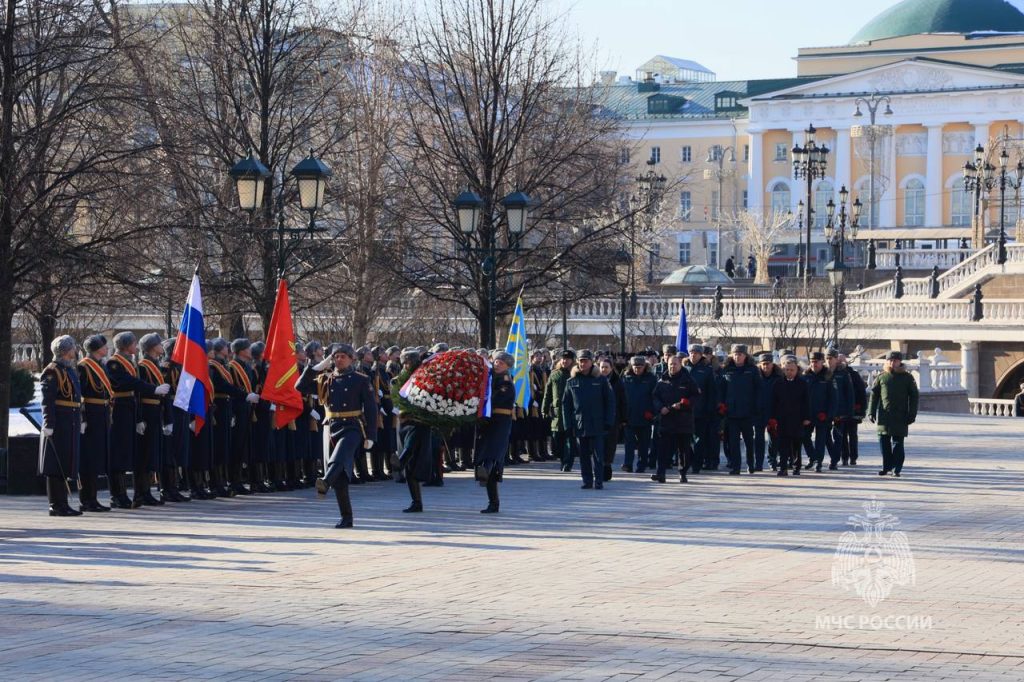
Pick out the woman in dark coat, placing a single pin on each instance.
(791, 414)
(674, 398)
(492, 443)
(62, 425)
(611, 441)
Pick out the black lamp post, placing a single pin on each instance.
(716, 155)
(811, 163)
(311, 176)
(468, 206)
(837, 269)
(874, 132)
(1013, 181)
(978, 178)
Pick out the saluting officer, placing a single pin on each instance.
(494, 432)
(97, 393)
(351, 412)
(127, 424)
(152, 411)
(178, 439)
(62, 425)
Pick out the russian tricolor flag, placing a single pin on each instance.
(194, 388)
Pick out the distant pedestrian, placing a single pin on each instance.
(730, 267)
(1018, 402)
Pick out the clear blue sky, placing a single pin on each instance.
(737, 39)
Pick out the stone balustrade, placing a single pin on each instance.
(991, 407)
(921, 259)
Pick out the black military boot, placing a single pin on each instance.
(344, 504)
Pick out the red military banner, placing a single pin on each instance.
(283, 371)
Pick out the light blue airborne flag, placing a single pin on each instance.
(518, 346)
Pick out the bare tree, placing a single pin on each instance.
(759, 231)
(500, 100)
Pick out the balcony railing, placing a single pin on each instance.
(991, 407)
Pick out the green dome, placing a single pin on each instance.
(912, 17)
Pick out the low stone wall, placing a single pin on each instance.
(949, 402)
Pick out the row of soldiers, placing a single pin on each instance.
(112, 413)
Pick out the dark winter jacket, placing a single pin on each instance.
(551, 406)
(790, 407)
(860, 394)
(842, 387)
(767, 395)
(619, 393)
(639, 397)
(679, 393)
(588, 404)
(821, 394)
(704, 376)
(741, 390)
(893, 404)
(1018, 405)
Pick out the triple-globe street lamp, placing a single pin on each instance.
(835, 234)
(810, 162)
(980, 175)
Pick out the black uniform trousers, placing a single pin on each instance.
(674, 444)
(892, 452)
(736, 428)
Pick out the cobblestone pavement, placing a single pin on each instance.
(725, 578)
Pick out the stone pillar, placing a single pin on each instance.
(843, 154)
(924, 373)
(934, 182)
(969, 362)
(887, 202)
(755, 172)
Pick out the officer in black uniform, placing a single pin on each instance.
(127, 424)
(263, 426)
(350, 408)
(415, 456)
(97, 394)
(494, 432)
(315, 411)
(224, 391)
(244, 377)
(62, 425)
(152, 411)
(178, 438)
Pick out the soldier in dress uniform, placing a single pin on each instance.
(97, 393)
(315, 453)
(350, 408)
(127, 423)
(263, 426)
(62, 425)
(244, 377)
(538, 426)
(364, 365)
(224, 391)
(152, 411)
(415, 456)
(494, 432)
(201, 449)
(178, 440)
(382, 448)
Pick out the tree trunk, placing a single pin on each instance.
(8, 83)
(6, 355)
(47, 332)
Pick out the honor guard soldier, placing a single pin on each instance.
(315, 454)
(538, 426)
(177, 441)
(62, 425)
(200, 447)
(263, 426)
(127, 424)
(350, 408)
(97, 394)
(224, 390)
(152, 413)
(414, 459)
(380, 456)
(242, 376)
(494, 432)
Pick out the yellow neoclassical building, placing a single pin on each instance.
(901, 108)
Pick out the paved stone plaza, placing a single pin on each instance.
(727, 578)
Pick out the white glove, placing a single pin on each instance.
(323, 364)
(252, 398)
(380, 393)
(140, 428)
(83, 428)
(163, 389)
(232, 422)
(47, 431)
(192, 426)
(315, 415)
(273, 407)
(367, 444)
(168, 430)
(394, 410)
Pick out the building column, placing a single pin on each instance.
(755, 172)
(887, 201)
(979, 219)
(798, 188)
(843, 154)
(969, 362)
(934, 182)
